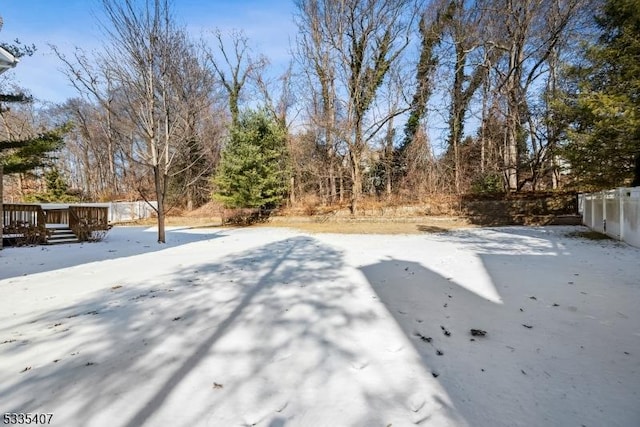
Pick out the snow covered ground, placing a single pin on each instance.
(273, 327)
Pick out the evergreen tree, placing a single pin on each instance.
(57, 189)
(19, 156)
(601, 103)
(25, 155)
(253, 170)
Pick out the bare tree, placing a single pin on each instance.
(233, 65)
(90, 156)
(318, 62)
(433, 22)
(190, 95)
(145, 61)
(277, 95)
(363, 39)
(528, 32)
(472, 60)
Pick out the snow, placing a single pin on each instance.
(274, 327)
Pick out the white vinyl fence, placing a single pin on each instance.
(615, 213)
(118, 211)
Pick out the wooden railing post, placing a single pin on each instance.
(74, 222)
(41, 223)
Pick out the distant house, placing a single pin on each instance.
(7, 61)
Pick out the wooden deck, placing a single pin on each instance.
(31, 224)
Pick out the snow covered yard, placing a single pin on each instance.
(273, 327)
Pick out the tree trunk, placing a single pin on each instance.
(456, 119)
(321, 191)
(190, 198)
(388, 159)
(483, 128)
(512, 155)
(332, 176)
(356, 175)
(233, 106)
(388, 185)
(292, 191)
(456, 164)
(158, 178)
(113, 179)
(635, 183)
(513, 127)
(555, 177)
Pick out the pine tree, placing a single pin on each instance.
(253, 170)
(19, 156)
(602, 103)
(57, 190)
(25, 155)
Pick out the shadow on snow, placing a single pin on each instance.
(562, 368)
(152, 339)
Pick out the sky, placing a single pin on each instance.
(68, 24)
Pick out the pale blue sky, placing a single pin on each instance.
(74, 23)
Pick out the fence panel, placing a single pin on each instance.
(631, 218)
(597, 209)
(130, 211)
(611, 202)
(118, 211)
(615, 213)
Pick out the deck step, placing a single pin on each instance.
(62, 241)
(62, 235)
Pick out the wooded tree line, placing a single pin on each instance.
(389, 99)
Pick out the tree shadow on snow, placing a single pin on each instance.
(210, 327)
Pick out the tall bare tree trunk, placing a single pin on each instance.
(292, 190)
(465, 24)
(158, 178)
(388, 159)
(483, 128)
(512, 134)
(356, 178)
(332, 174)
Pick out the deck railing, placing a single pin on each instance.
(85, 221)
(29, 222)
(25, 220)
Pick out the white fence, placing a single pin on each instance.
(615, 213)
(118, 211)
